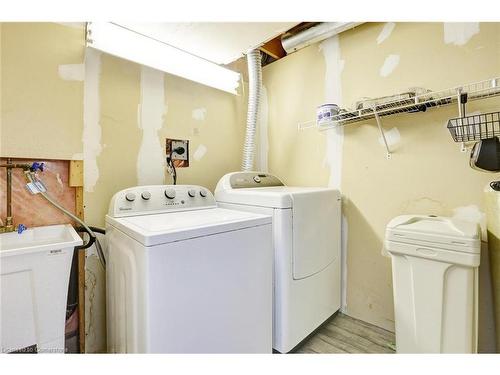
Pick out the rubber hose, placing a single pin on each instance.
(67, 213)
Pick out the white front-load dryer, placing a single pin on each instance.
(185, 276)
(307, 243)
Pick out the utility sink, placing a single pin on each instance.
(38, 239)
(34, 276)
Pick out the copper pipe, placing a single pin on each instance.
(15, 165)
(9, 225)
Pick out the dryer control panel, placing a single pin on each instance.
(154, 199)
(241, 180)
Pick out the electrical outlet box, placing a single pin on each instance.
(180, 160)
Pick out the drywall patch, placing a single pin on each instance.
(459, 33)
(335, 138)
(72, 72)
(199, 114)
(95, 302)
(200, 152)
(386, 32)
(392, 136)
(262, 132)
(333, 94)
(150, 161)
(473, 214)
(390, 63)
(91, 112)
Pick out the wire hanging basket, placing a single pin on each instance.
(475, 127)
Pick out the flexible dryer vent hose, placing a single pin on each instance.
(254, 90)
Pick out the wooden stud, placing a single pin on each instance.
(274, 48)
(76, 181)
(76, 173)
(79, 202)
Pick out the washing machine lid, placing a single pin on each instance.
(439, 231)
(151, 230)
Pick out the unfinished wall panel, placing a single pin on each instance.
(427, 174)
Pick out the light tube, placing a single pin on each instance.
(130, 45)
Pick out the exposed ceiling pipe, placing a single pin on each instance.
(315, 34)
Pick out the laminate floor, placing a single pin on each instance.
(343, 334)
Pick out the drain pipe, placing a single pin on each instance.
(315, 34)
(254, 90)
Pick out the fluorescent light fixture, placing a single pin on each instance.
(130, 45)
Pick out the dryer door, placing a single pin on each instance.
(316, 231)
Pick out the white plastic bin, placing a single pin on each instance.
(434, 269)
(34, 274)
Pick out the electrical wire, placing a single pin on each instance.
(172, 169)
(170, 163)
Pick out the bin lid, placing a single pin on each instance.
(440, 231)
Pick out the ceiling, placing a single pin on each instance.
(221, 43)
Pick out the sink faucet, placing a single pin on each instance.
(9, 226)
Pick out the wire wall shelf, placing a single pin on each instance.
(418, 103)
(463, 129)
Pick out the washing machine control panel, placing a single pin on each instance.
(242, 180)
(154, 199)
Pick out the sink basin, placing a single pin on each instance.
(34, 275)
(38, 239)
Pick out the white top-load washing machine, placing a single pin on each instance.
(306, 237)
(184, 276)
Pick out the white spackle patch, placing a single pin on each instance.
(335, 138)
(459, 33)
(150, 161)
(386, 32)
(72, 72)
(263, 132)
(200, 152)
(78, 156)
(333, 94)
(473, 214)
(390, 63)
(199, 114)
(95, 300)
(392, 137)
(91, 112)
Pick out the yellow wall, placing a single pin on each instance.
(46, 114)
(428, 174)
(42, 114)
(221, 132)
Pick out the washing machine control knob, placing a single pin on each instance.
(203, 193)
(146, 195)
(257, 179)
(192, 193)
(130, 197)
(170, 193)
